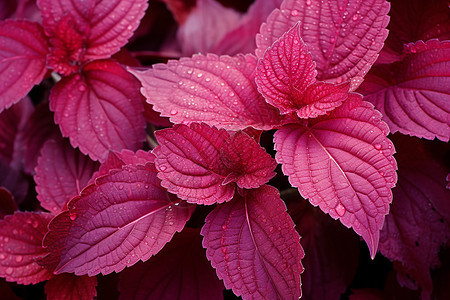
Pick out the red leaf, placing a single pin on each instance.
(106, 26)
(188, 159)
(179, 271)
(413, 94)
(12, 124)
(23, 51)
(344, 164)
(122, 218)
(250, 165)
(100, 110)
(419, 220)
(20, 243)
(61, 173)
(332, 252)
(71, 287)
(219, 91)
(252, 244)
(344, 38)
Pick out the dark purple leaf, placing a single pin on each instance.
(21, 236)
(124, 217)
(217, 90)
(7, 204)
(179, 271)
(100, 109)
(344, 164)
(23, 51)
(413, 94)
(71, 287)
(419, 220)
(252, 244)
(15, 181)
(344, 37)
(62, 172)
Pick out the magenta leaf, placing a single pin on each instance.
(413, 94)
(250, 165)
(23, 51)
(105, 26)
(124, 217)
(71, 287)
(61, 173)
(13, 122)
(328, 246)
(344, 164)
(179, 271)
(252, 244)
(419, 220)
(21, 236)
(217, 90)
(188, 159)
(100, 109)
(344, 38)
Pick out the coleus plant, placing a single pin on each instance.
(208, 176)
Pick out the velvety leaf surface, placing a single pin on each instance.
(15, 181)
(61, 173)
(206, 14)
(100, 110)
(122, 218)
(250, 165)
(70, 287)
(7, 204)
(39, 128)
(252, 244)
(344, 164)
(413, 94)
(419, 220)
(332, 252)
(20, 242)
(23, 50)
(105, 25)
(188, 159)
(217, 90)
(179, 271)
(344, 37)
(12, 124)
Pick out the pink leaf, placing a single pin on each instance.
(286, 71)
(219, 91)
(21, 236)
(344, 38)
(23, 51)
(61, 173)
(328, 246)
(413, 94)
(13, 122)
(188, 159)
(71, 287)
(122, 218)
(100, 109)
(252, 244)
(179, 271)
(344, 164)
(419, 220)
(106, 26)
(180, 9)
(250, 165)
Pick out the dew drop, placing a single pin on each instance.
(82, 88)
(295, 12)
(121, 187)
(2, 256)
(224, 226)
(163, 168)
(308, 2)
(170, 223)
(227, 257)
(224, 250)
(173, 112)
(377, 146)
(9, 270)
(73, 216)
(35, 224)
(302, 56)
(340, 210)
(19, 258)
(231, 94)
(355, 17)
(199, 75)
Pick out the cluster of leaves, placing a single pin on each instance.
(202, 206)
